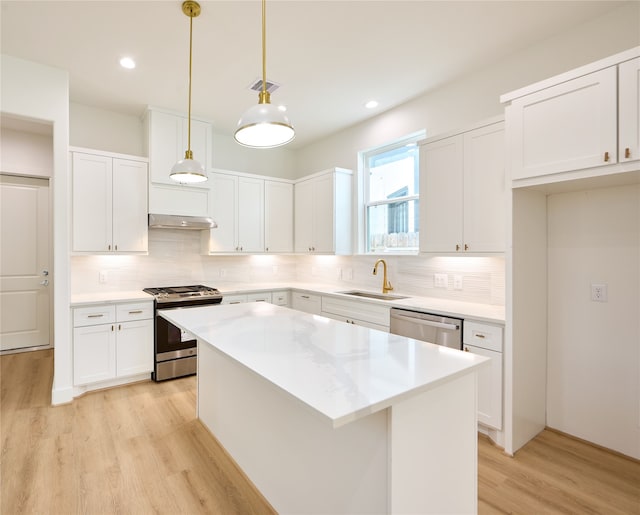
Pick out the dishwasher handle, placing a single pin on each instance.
(430, 323)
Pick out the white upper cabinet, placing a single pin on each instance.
(254, 215)
(629, 109)
(462, 192)
(109, 198)
(278, 216)
(166, 136)
(585, 120)
(167, 141)
(322, 213)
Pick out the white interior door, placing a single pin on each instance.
(25, 282)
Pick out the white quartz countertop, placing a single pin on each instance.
(341, 371)
(482, 312)
(88, 299)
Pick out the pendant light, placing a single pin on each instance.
(188, 170)
(264, 125)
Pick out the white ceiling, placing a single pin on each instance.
(329, 56)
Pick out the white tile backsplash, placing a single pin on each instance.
(174, 258)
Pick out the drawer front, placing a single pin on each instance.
(483, 335)
(280, 298)
(234, 299)
(354, 309)
(134, 311)
(94, 315)
(259, 297)
(306, 302)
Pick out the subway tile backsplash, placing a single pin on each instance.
(174, 258)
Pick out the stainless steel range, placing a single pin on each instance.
(176, 350)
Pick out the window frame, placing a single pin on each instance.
(363, 192)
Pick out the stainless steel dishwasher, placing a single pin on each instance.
(427, 327)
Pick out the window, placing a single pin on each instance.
(391, 180)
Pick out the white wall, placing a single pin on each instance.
(476, 96)
(41, 93)
(593, 372)
(26, 153)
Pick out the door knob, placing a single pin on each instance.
(45, 282)
(45, 272)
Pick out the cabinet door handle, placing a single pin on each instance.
(115, 247)
(606, 157)
(112, 329)
(119, 327)
(108, 247)
(95, 316)
(136, 312)
(466, 247)
(627, 153)
(457, 247)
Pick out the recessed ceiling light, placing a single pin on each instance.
(371, 104)
(128, 63)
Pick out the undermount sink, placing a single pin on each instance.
(369, 295)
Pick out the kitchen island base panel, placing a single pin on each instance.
(297, 460)
(418, 456)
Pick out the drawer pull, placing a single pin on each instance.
(305, 296)
(235, 302)
(479, 335)
(136, 312)
(466, 349)
(95, 316)
(627, 153)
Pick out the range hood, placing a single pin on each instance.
(194, 223)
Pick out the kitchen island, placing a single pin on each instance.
(328, 417)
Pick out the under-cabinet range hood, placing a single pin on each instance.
(195, 223)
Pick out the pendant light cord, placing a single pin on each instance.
(190, 61)
(264, 48)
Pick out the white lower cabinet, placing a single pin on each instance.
(112, 341)
(307, 302)
(356, 312)
(486, 340)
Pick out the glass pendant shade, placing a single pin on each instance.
(188, 170)
(264, 126)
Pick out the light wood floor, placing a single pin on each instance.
(139, 449)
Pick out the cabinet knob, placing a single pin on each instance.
(627, 153)
(466, 350)
(606, 157)
(267, 249)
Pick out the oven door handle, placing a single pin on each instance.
(430, 323)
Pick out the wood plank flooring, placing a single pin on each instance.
(140, 449)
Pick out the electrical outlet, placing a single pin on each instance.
(457, 282)
(339, 273)
(440, 280)
(103, 276)
(349, 274)
(599, 293)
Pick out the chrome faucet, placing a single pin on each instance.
(386, 285)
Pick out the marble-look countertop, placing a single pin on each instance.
(482, 312)
(108, 297)
(341, 371)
